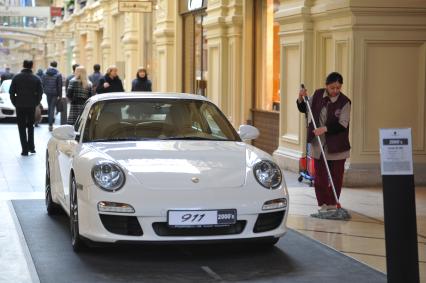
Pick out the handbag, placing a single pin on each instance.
(37, 115)
(59, 104)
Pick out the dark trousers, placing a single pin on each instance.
(51, 104)
(25, 120)
(323, 189)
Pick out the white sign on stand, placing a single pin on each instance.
(396, 154)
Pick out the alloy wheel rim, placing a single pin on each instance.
(47, 185)
(74, 213)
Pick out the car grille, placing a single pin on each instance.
(268, 221)
(7, 112)
(122, 225)
(163, 229)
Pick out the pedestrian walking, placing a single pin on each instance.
(110, 82)
(141, 83)
(79, 90)
(7, 75)
(331, 111)
(70, 77)
(52, 86)
(95, 77)
(40, 73)
(25, 93)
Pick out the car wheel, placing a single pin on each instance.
(268, 243)
(52, 208)
(76, 241)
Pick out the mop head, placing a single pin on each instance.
(335, 214)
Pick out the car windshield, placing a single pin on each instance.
(157, 119)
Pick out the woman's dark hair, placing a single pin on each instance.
(334, 77)
(74, 67)
(140, 69)
(28, 64)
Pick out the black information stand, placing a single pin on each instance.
(399, 204)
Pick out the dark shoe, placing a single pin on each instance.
(24, 153)
(50, 128)
(32, 151)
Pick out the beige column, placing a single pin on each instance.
(217, 41)
(297, 66)
(382, 57)
(224, 30)
(167, 50)
(75, 51)
(106, 35)
(89, 48)
(64, 56)
(131, 44)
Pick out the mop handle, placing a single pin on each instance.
(322, 151)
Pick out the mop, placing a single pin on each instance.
(339, 213)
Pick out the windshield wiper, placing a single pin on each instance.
(120, 139)
(193, 138)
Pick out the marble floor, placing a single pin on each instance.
(361, 238)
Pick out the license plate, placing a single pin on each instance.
(189, 218)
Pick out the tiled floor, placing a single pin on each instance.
(361, 238)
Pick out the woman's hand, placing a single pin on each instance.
(320, 131)
(302, 93)
(106, 85)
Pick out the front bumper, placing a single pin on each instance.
(7, 112)
(152, 219)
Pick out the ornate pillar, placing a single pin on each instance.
(296, 45)
(217, 42)
(89, 48)
(106, 35)
(234, 32)
(166, 48)
(224, 26)
(131, 47)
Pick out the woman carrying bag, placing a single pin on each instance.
(79, 90)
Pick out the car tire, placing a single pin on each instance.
(268, 243)
(51, 207)
(76, 241)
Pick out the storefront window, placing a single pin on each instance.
(200, 56)
(194, 47)
(267, 54)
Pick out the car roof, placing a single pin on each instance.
(142, 95)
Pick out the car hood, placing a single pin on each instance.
(181, 164)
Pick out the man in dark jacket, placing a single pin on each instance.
(7, 75)
(52, 86)
(95, 77)
(25, 93)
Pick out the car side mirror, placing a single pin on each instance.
(248, 132)
(65, 132)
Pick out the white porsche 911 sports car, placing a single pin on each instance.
(144, 167)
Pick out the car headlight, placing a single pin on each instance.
(1, 100)
(108, 176)
(268, 174)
